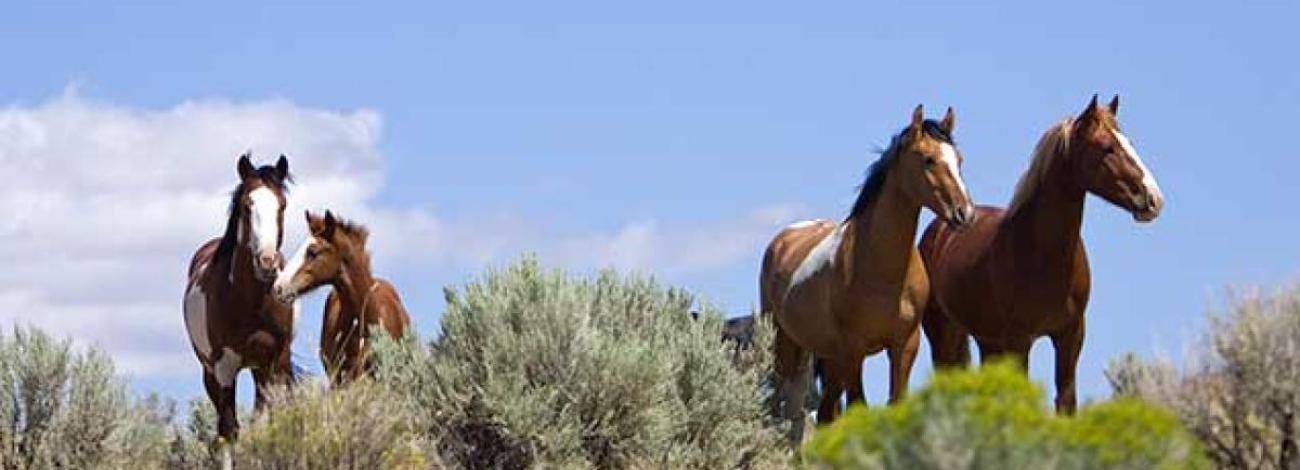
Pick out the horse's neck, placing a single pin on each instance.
(355, 283)
(878, 241)
(1050, 219)
(241, 275)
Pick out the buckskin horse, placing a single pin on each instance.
(1019, 274)
(845, 291)
(233, 320)
(334, 253)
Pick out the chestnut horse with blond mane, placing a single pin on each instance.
(841, 292)
(232, 320)
(1019, 274)
(334, 253)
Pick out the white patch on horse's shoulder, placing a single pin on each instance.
(196, 320)
(227, 368)
(804, 224)
(821, 256)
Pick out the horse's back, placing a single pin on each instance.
(392, 316)
(203, 256)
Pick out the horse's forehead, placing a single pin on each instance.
(255, 185)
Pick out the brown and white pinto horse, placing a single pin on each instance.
(1020, 274)
(334, 253)
(232, 319)
(844, 291)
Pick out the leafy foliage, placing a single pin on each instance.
(996, 418)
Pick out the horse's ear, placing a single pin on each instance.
(314, 224)
(918, 117)
(282, 168)
(1092, 107)
(1114, 106)
(329, 223)
(245, 166)
(949, 121)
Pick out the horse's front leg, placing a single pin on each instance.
(794, 370)
(833, 376)
(901, 358)
(223, 399)
(1067, 343)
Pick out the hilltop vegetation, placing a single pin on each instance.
(542, 369)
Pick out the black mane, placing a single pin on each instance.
(265, 173)
(879, 169)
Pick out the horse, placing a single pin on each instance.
(844, 291)
(232, 320)
(334, 253)
(1022, 273)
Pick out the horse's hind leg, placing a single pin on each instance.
(794, 370)
(949, 342)
(901, 358)
(1068, 343)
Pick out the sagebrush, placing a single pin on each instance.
(1239, 389)
(540, 368)
(63, 408)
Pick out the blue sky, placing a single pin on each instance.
(563, 119)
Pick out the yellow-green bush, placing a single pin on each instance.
(360, 426)
(995, 418)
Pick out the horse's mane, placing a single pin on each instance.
(265, 173)
(878, 170)
(1053, 143)
(355, 231)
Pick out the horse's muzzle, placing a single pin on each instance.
(962, 217)
(1148, 208)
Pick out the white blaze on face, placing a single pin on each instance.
(284, 280)
(1148, 179)
(948, 158)
(264, 221)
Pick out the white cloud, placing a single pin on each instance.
(103, 206)
(677, 247)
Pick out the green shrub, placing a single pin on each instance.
(1240, 389)
(60, 408)
(540, 368)
(361, 426)
(995, 418)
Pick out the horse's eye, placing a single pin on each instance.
(311, 255)
(929, 162)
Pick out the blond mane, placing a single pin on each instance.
(1052, 144)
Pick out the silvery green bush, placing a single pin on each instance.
(1239, 390)
(63, 408)
(540, 368)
